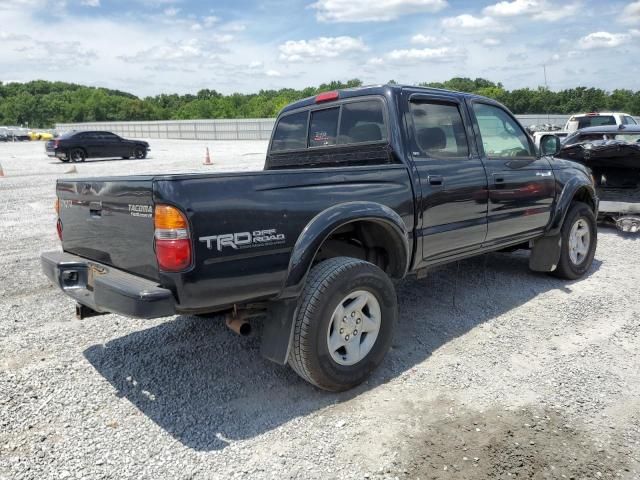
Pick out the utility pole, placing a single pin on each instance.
(546, 86)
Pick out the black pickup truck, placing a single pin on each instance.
(360, 187)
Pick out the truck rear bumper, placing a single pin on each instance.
(106, 289)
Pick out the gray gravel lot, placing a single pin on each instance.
(495, 372)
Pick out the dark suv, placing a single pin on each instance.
(78, 146)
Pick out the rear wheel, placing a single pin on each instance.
(579, 239)
(77, 155)
(344, 325)
(140, 153)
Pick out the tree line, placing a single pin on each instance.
(42, 104)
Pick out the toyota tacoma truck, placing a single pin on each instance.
(360, 188)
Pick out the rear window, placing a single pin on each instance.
(291, 132)
(596, 121)
(352, 122)
(323, 129)
(627, 120)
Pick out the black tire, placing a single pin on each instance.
(140, 153)
(328, 284)
(567, 268)
(77, 155)
(65, 159)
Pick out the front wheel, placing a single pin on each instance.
(344, 325)
(579, 239)
(140, 153)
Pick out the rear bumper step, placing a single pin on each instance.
(106, 289)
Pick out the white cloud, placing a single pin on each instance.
(321, 47)
(631, 13)
(512, 9)
(54, 54)
(539, 10)
(442, 54)
(233, 27)
(272, 73)
(554, 13)
(196, 27)
(604, 40)
(210, 20)
(171, 11)
(469, 23)
(13, 37)
(372, 11)
(491, 42)
(191, 50)
(375, 61)
(90, 3)
(420, 39)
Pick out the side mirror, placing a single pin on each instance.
(549, 145)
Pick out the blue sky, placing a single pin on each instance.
(164, 46)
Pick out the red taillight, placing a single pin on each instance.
(173, 255)
(59, 229)
(172, 238)
(56, 143)
(327, 97)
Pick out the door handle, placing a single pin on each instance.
(435, 179)
(499, 179)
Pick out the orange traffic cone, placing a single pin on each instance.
(1, 171)
(207, 158)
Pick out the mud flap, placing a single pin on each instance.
(277, 331)
(545, 254)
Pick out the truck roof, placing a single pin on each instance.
(599, 114)
(384, 90)
(610, 129)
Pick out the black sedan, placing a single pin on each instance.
(78, 146)
(625, 133)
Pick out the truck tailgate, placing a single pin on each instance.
(110, 221)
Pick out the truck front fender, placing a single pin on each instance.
(576, 187)
(328, 221)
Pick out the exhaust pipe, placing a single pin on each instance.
(238, 324)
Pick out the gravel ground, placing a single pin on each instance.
(495, 372)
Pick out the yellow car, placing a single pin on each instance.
(40, 135)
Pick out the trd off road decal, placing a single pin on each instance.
(242, 240)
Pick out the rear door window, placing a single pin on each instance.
(362, 122)
(291, 132)
(627, 120)
(439, 130)
(323, 129)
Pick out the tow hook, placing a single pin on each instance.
(82, 311)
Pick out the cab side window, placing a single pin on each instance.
(501, 135)
(362, 122)
(438, 129)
